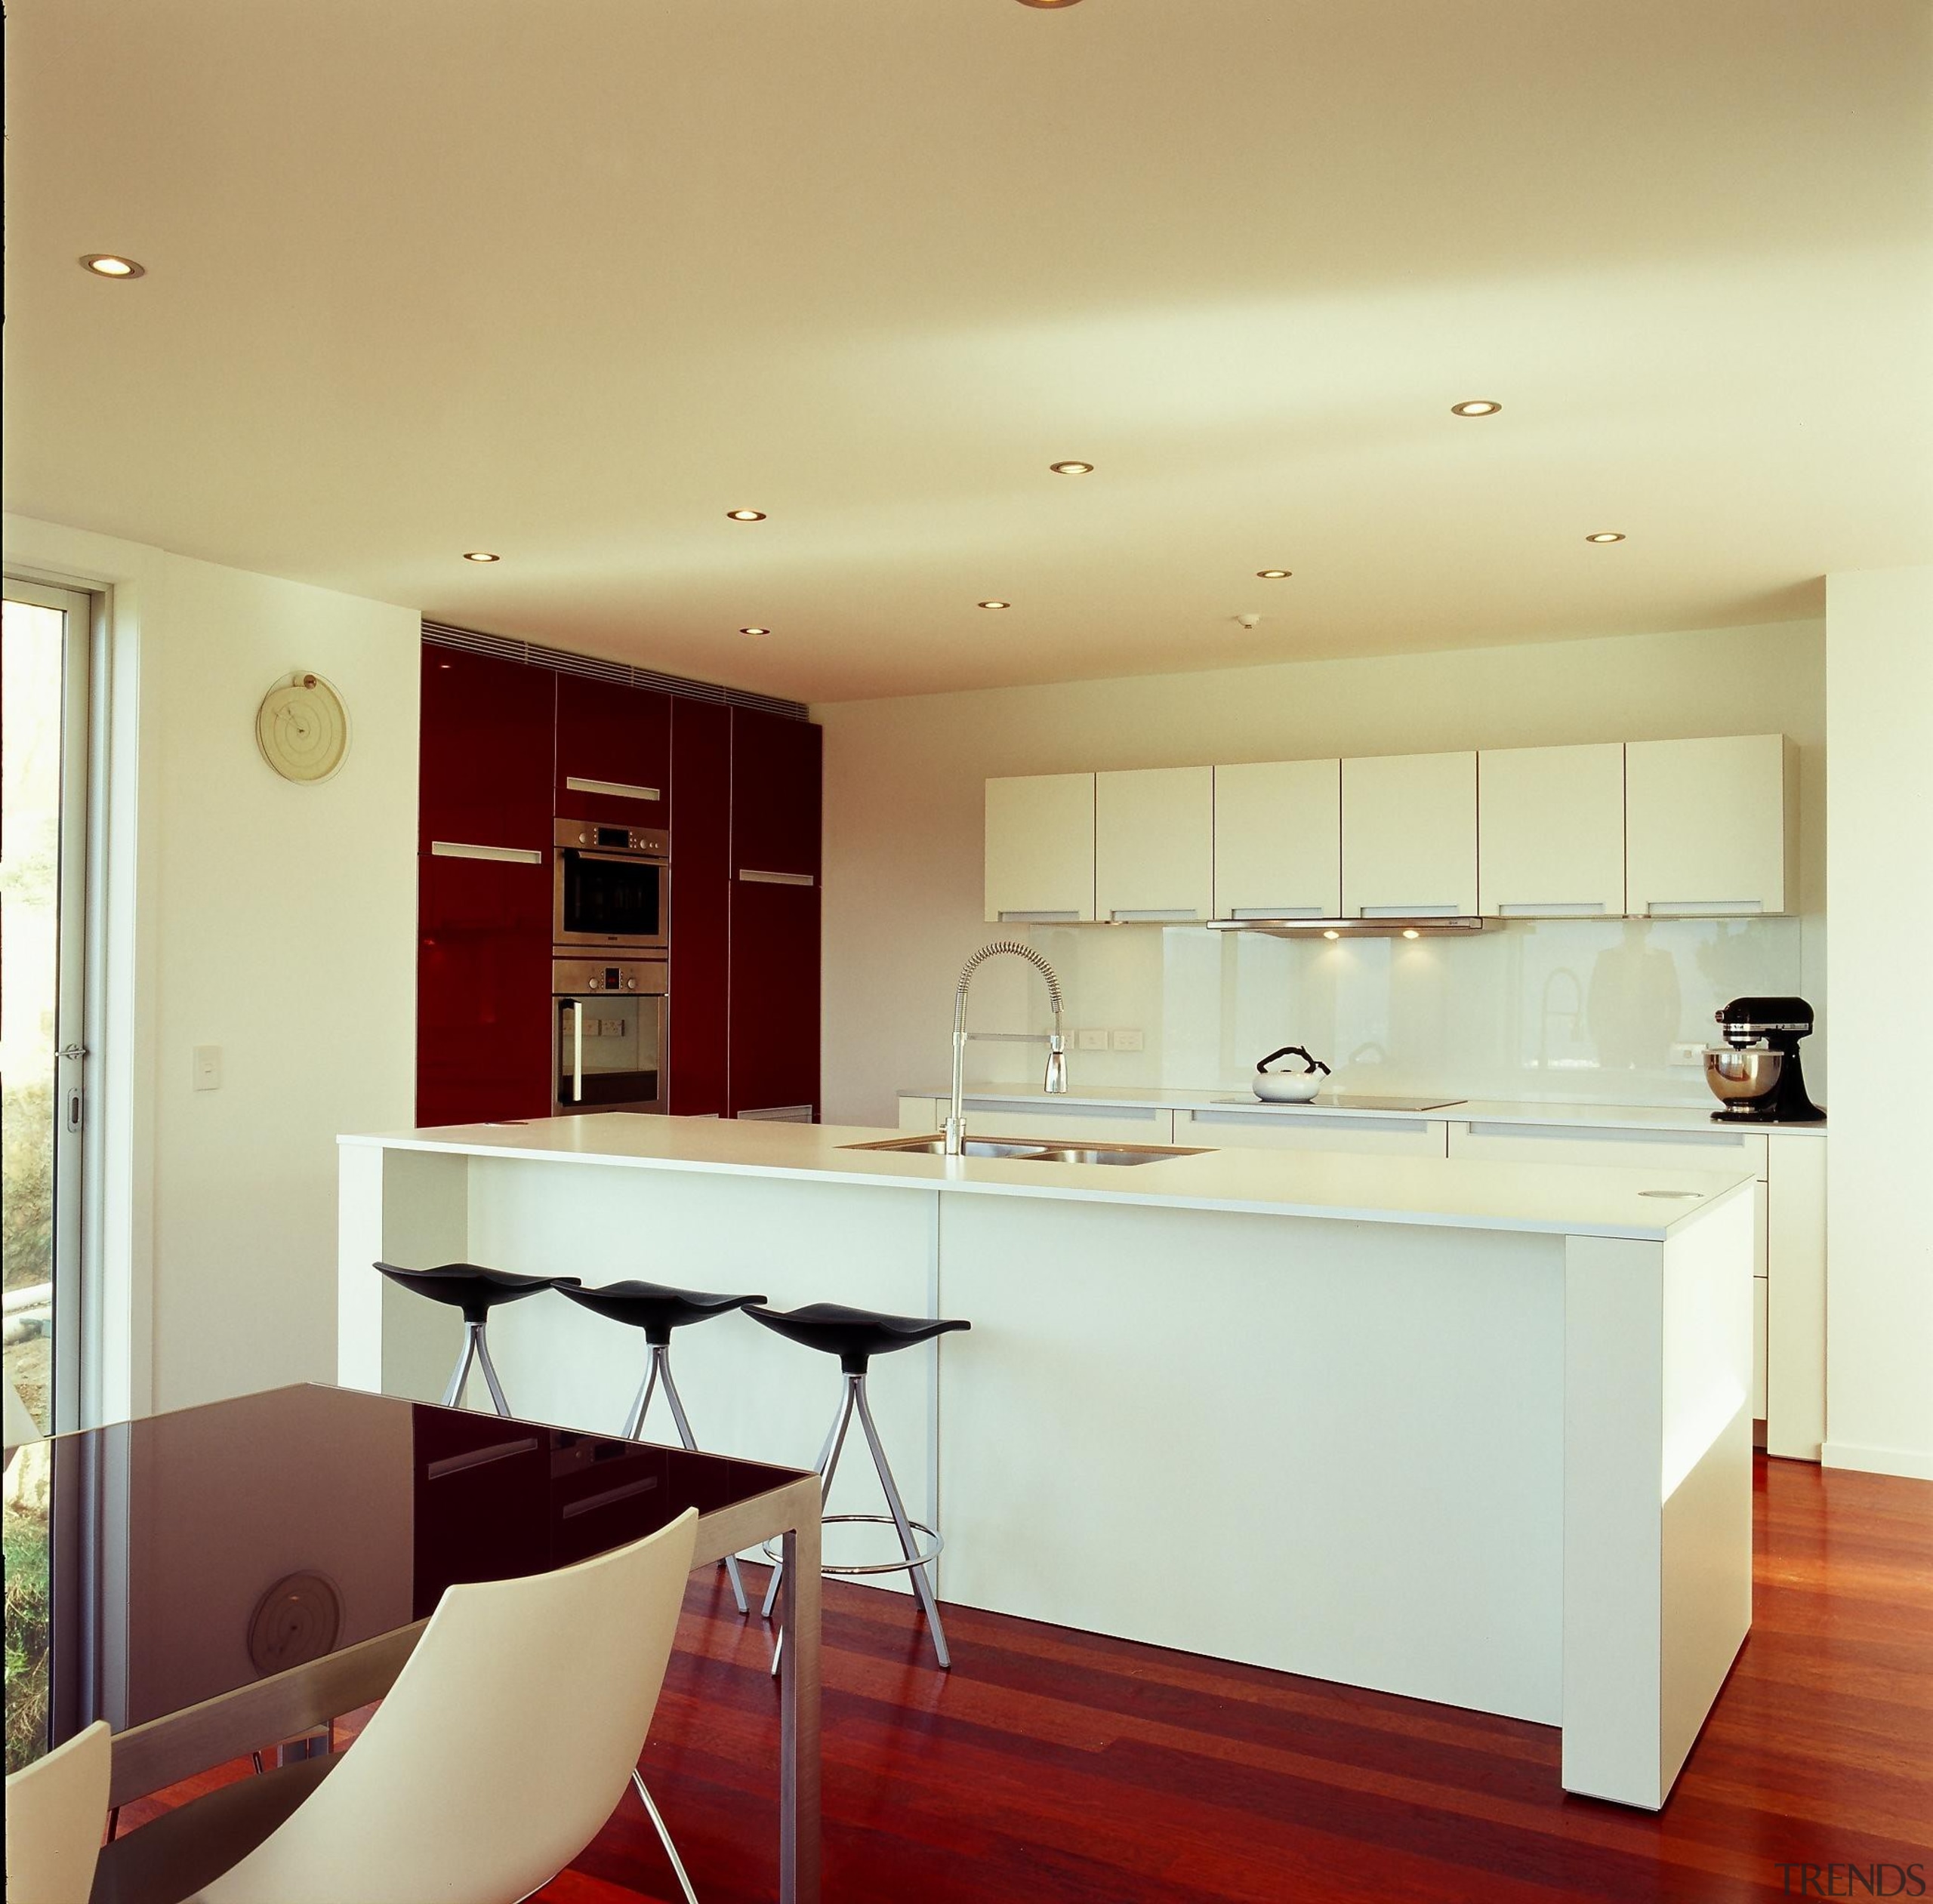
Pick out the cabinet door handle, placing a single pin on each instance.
(1550, 908)
(1155, 915)
(1702, 908)
(623, 789)
(1039, 918)
(752, 876)
(463, 849)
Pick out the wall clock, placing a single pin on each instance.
(302, 729)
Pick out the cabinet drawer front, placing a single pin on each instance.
(1029, 1117)
(1261, 1130)
(1688, 1150)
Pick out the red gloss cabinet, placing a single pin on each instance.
(483, 924)
(774, 909)
(700, 906)
(615, 741)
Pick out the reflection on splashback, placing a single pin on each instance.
(1579, 1010)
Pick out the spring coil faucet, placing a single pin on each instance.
(1057, 1077)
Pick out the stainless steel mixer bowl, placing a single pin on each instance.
(1733, 1074)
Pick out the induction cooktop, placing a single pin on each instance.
(1348, 1101)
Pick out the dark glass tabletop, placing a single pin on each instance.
(153, 1564)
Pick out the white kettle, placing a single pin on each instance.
(1289, 1087)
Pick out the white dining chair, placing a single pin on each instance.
(56, 1808)
(501, 1750)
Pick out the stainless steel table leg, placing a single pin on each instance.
(799, 1720)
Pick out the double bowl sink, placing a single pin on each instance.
(1023, 1151)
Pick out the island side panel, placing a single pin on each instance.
(1332, 1448)
(1658, 1490)
(401, 1207)
(748, 1392)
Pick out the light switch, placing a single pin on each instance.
(1093, 1039)
(207, 1067)
(1127, 1040)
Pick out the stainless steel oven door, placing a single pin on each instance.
(605, 899)
(609, 1034)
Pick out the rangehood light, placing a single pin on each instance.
(1332, 933)
(1414, 927)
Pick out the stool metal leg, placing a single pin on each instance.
(921, 1586)
(827, 1466)
(664, 1838)
(660, 1356)
(453, 1394)
(489, 1371)
(634, 1421)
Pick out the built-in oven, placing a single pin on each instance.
(612, 887)
(609, 1034)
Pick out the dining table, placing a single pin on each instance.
(214, 1580)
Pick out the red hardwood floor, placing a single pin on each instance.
(1059, 1768)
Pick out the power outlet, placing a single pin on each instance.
(1091, 1039)
(1127, 1040)
(1691, 1056)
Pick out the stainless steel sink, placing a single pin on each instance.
(1019, 1148)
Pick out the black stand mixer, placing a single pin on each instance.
(1756, 1071)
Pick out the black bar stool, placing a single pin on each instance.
(658, 1311)
(475, 1291)
(856, 1335)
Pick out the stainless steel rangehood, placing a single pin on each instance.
(1406, 925)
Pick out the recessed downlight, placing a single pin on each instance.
(480, 554)
(754, 631)
(1476, 406)
(1071, 469)
(1275, 574)
(744, 515)
(996, 605)
(108, 264)
(1605, 535)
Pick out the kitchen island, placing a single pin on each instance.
(1469, 1431)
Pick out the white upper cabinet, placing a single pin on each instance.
(1409, 836)
(1711, 827)
(1278, 840)
(1040, 847)
(1550, 834)
(1154, 844)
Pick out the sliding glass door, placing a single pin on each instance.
(44, 1108)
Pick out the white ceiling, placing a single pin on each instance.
(568, 281)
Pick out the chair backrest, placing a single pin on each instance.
(504, 1745)
(56, 1810)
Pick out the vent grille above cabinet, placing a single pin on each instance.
(599, 667)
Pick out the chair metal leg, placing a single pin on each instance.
(660, 1364)
(922, 1586)
(826, 1465)
(664, 1838)
(453, 1394)
(490, 1372)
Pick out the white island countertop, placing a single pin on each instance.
(1545, 1112)
(1552, 1199)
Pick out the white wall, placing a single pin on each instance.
(1879, 1284)
(276, 921)
(903, 865)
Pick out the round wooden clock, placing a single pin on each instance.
(303, 728)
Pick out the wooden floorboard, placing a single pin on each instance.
(1061, 1767)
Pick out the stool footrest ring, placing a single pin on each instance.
(902, 1565)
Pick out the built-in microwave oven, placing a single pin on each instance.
(609, 1034)
(612, 887)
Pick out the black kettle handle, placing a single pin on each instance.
(1295, 1051)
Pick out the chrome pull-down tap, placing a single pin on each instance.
(1056, 1078)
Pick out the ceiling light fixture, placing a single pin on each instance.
(1605, 535)
(744, 515)
(1476, 406)
(996, 605)
(1275, 574)
(1071, 469)
(754, 631)
(106, 264)
(480, 554)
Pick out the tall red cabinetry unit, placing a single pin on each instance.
(483, 889)
(776, 791)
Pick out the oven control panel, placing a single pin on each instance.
(598, 836)
(592, 977)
